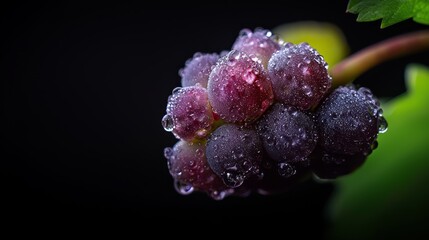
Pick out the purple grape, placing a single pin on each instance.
(273, 183)
(288, 135)
(349, 121)
(260, 44)
(188, 166)
(299, 75)
(239, 89)
(234, 153)
(189, 115)
(330, 165)
(197, 69)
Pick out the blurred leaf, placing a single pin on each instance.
(326, 38)
(390, 11)
(388, 197)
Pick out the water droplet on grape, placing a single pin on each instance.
(199, 152)
(168, 152)
(249, 76)
(286, 170)
(176, 90)
(181, 72)
(197, 55)
(307, 91)
(245, 33)
(263, 44)
(218, 195)
(382, 125)
(184, 189)
(167, 123)
(232, 179)
(201, 133)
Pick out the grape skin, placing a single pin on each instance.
(299, 76)
(234, 153)
(239, 89)
(197, 69)
(189, 112)
(348, 121)
(187, 164)
(288, 134)
(263, 117)
(331, 165)
(259, 43)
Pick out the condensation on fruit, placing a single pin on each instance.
(239, 89)
(262, 117)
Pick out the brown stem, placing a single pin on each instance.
(350, 68)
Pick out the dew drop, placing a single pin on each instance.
(255, 59)
(286, 170)
(249, 76)
(232, 179)
(199, 152)
(245, 33)
(268, 33)
(181, 72)
(176, 90)
(382, 125)
(232, 57)
(201, 133)
(168, 152)
(307, 91)
(184, 189)
(197, 55)
(218, 195)
(167, 123)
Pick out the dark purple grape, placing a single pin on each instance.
(189, 115)
(288, 135)
(234, 153)
(299, 75)
(197, 69)
(349, 121)
(239, 89)
(330, 165)
(273, 183)
(188, 165)
(261, 44)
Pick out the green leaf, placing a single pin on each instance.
(390, 11)
(388, 197)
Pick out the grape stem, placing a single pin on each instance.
(350, 68)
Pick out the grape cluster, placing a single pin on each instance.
(263, 117)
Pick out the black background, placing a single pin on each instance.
(84, 91)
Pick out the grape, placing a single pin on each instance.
(197, 69)
(330, 165)
(299, 76)
(273, 183)
(260, 44)
(234, 153)
(288, 135)
(349, 120)
(188, 165)
(239, 89)
(262, 118)
(189, 115)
